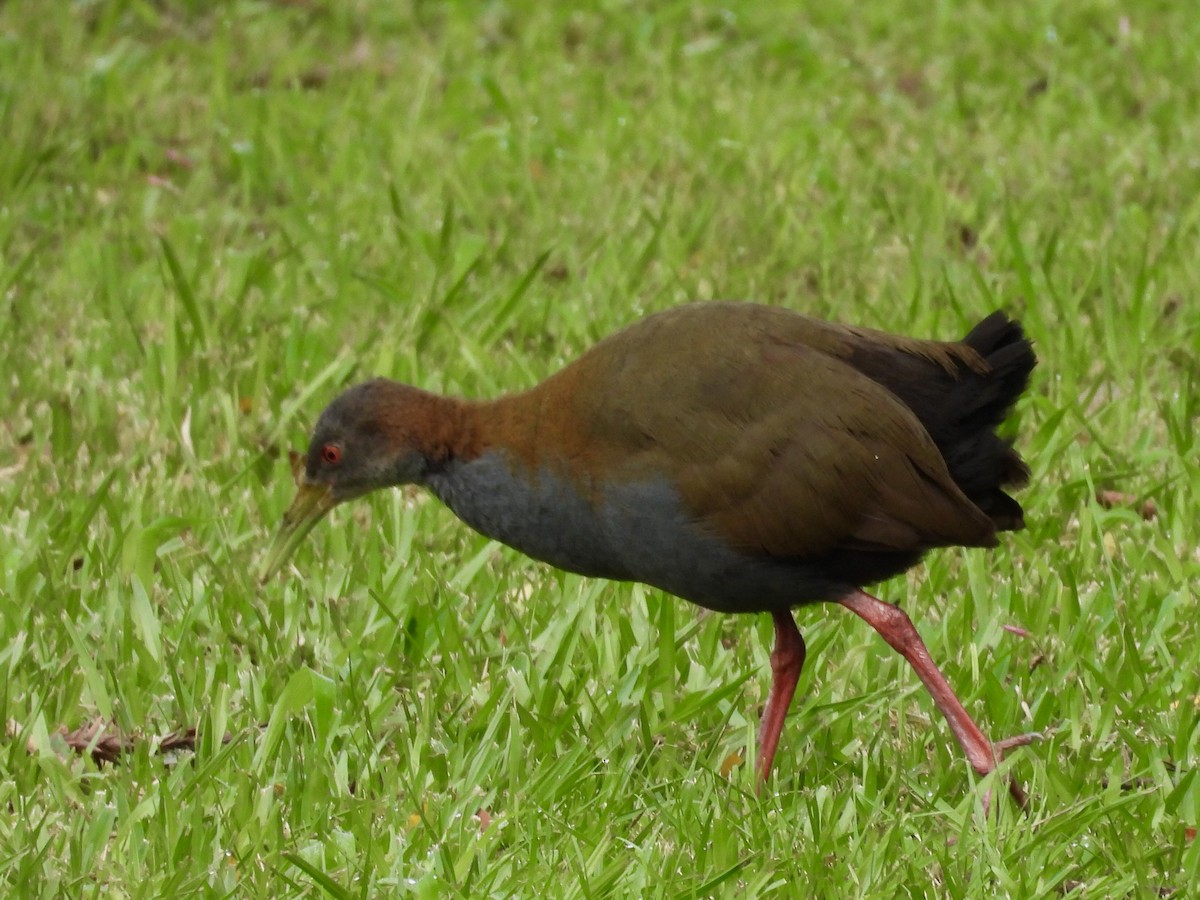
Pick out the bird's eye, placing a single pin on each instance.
(331, 454)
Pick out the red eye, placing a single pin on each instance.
(331, 454)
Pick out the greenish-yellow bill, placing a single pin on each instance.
(312, 502)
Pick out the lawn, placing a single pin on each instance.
(215, 216)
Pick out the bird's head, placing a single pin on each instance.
(378, 434)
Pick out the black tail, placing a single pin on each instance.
(979, 460)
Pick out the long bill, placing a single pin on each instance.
(312, 502)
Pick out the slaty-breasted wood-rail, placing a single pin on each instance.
(743, 457)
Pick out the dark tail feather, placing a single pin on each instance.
(980, 461)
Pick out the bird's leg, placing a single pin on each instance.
(787, 661)
(895, 627)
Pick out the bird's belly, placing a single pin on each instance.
(631, 532)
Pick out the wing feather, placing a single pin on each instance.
(773, 439)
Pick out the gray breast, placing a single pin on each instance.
(632, 532)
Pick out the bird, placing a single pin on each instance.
(744, 457)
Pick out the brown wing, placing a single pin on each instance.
(775, 444)
(849, 467)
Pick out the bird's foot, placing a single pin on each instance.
(999, 748)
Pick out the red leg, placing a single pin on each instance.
(787, 661)
(895, 627)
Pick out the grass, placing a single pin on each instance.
(213, 218)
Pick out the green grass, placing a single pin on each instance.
(211, 219)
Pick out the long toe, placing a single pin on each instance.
(1018, 794)
(1020, 740)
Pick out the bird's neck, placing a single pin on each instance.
(518, 425)
(449, 431)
